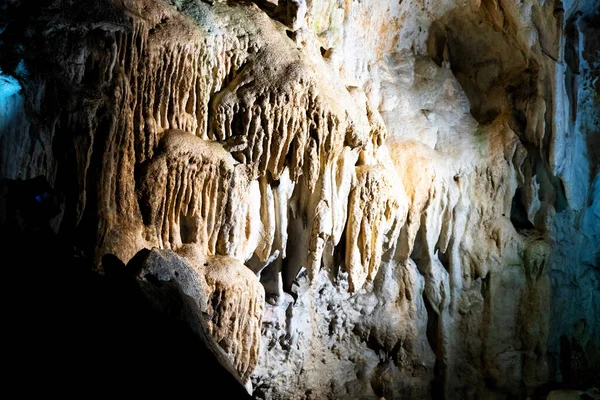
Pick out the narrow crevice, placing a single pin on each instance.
(269, 278)
(518, 213)
(445, 260)
(188, 226)
(433, 338)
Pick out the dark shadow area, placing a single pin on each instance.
(518, 213)
(484, 57)
(574, 367)
(69, 331)
(590, 51)
(433, 331)
(189, 228)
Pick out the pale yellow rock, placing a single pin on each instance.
(374, 211)
(233, 308)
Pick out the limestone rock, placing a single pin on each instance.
(220, 300)
(361, 199)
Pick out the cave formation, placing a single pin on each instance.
(301, 199)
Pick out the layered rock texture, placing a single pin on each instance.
(353, 199)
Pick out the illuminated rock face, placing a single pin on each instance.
(416, 185)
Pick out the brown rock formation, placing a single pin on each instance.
(361, 199)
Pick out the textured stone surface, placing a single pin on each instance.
(219, 298)
(415, 184)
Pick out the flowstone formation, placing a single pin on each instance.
(354, 200)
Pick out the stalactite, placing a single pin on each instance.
(421, 182)
(186, 187)
(374, 212)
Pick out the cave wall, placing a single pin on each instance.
(415, 184)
